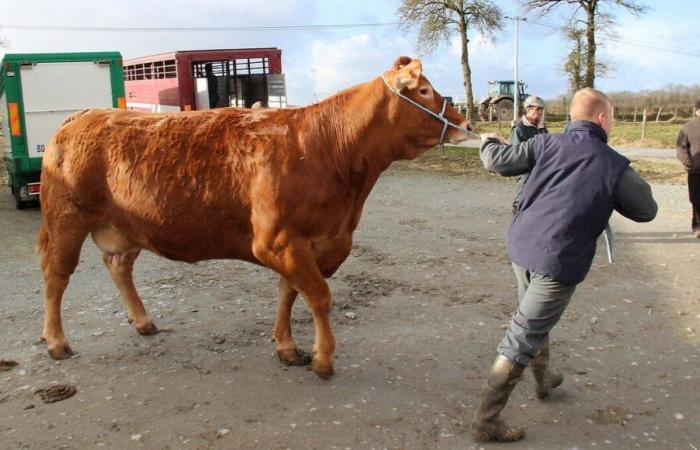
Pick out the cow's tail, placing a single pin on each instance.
(74, 116)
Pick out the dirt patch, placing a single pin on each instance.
(371, 255)
(454, 160)
(6, 365)
(364, 289)
(56, 393)
(612, 415)
(458, 160)
(660, 171)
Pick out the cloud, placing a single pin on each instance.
(321, 62)
(637, 66)
(339, 63)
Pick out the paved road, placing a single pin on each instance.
(431, 287)
(633, 152)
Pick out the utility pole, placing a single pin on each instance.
(516, 85)
(516, 94)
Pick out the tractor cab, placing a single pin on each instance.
(497, 88)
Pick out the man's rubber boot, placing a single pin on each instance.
(546, 380)
(488, 424)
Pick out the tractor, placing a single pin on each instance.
(498, 104)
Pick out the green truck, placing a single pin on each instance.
(37, 92)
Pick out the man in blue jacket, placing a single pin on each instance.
(576, 181)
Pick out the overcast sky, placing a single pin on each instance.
(318, 63)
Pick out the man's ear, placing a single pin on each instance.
(601, 117)
(409, 75)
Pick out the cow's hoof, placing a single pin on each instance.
(323, 370)
(294, 357)
(61, 351)
(149, 329)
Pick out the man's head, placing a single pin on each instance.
(697, 107)
(534, 109)
(207, 68)
(594, 106)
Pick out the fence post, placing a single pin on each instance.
(635, 114)
(644, 123)
(658, 114)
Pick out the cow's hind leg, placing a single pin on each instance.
(119, 255)
(60, 247)
(287, 350)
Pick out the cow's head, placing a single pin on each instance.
(407, 78)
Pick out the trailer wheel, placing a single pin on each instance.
(19, 203)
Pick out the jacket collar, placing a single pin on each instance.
(527, 123)
(586, 125)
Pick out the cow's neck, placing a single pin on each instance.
(355, 134)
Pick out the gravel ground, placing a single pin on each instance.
(430, 288)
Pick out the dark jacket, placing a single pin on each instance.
(521, 132)
(688, 146)
(575, 182)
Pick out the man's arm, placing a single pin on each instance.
(633, 198)
(505, 159)
(683, 149)
(515, 138)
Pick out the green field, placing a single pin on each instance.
(465, 161)
(627, 134)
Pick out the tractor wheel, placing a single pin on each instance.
(484, 111)
(505, 110)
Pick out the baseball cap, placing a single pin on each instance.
(534, 101)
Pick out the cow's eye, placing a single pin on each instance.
(424, 91)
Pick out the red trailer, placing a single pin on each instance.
(204, 79)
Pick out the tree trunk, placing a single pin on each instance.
(466, 70)
(590, 36)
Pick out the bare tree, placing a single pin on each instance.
(596, 15)
(438, 20)
(575, 61)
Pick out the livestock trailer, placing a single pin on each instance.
(204, 79)
(37, 92)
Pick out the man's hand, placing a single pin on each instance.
(487, 136)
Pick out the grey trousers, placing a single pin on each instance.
(541, 302)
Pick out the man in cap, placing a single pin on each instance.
(528, 126)
(575, 182)
(688, 151)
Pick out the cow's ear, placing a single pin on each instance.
(401, 62)
(409, 75)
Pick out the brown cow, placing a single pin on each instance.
(280, 188)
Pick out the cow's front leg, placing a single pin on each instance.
(287, 350)
(295, 262)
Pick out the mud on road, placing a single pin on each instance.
(430, 288)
